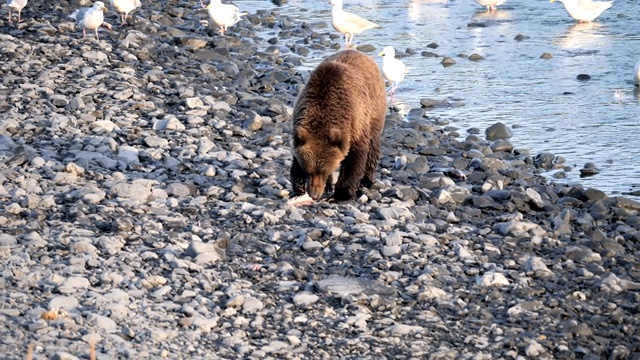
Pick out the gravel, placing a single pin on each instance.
(144, 180)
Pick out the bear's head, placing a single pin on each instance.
(319, 155)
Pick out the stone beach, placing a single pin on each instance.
(143, 186)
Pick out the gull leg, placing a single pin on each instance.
(19, 15)
(9, 17)
(84, 33)
(97, 37)
(124, 19)
(393, 88)
(202, 4)
(392, 92)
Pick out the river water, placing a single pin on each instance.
(549, 109)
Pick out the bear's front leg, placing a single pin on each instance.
(351, 173)
(299, 178)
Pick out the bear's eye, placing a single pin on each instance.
(338, 139)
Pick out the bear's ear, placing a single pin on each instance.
(337, 138)
(300, 136)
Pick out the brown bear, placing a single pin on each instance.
(337, 121)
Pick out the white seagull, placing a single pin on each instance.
(393, 69)
(90, 17)
(124, 7)
(224, 15)
(16, 5)
(584, 10)
(348, 23)
(491, 5)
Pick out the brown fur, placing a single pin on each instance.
(337, 121)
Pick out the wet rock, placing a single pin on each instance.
(544, 160)
(589, 169)
(447, 61)
(501, 145)
(433, 103)
(498, 131)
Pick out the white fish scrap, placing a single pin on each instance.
(301, 200)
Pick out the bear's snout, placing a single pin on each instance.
(315, 187)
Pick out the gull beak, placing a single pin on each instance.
(104, 9)
(381, 54)
(551, 1)
(209, 6)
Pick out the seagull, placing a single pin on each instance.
(224, 15)
(393, 69)
(348, 23)
(90, 17)
(491, 5)
(125, 7)
(584, 10)
(636, 74)
(16, 5)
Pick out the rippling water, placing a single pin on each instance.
(549, 109)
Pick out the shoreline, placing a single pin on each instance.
(144, 181)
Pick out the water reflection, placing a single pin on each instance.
(492, 15)
(582, 35)
(431, 11)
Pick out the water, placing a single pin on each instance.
(514, 85)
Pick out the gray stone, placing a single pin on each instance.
(205, 253)
(156, 142)
(305, 298)
(63, 302)
(7, 240)
(61, 355)
(252, 305)
(180, 190)
(95, 55)
(102, 322)
(498, 131)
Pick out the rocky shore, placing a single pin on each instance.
(143, 188)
